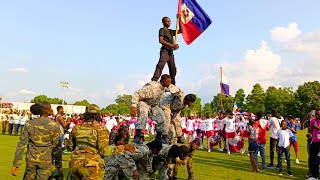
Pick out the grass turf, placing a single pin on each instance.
(206, 166)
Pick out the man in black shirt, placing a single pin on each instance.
(166, 52)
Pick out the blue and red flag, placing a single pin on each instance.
(194, 20)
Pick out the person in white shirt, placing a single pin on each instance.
(283, 139)
(16, 123)
(229, 130)
(183, 125)
(11, 121)
(218, 124)
(274, 126)
(190, 128)
(241, 124)
(210, 131)
(203, 129)
(23, 120)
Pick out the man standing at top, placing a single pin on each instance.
(166, 51)
(147, 101)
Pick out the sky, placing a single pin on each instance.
(107, 48)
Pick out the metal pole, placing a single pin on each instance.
(64, 85)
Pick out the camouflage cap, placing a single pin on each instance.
(93, 108)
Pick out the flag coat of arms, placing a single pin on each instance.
(194, 20)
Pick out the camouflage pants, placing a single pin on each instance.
(177, 123)
(159, 165)
(143, 174)
(167, 112)
(38, 170)
(155, 113)
(4, 126)
(188, 161)
(78, 169)
(171, 135)
(119, 164)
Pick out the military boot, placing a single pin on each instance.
(164, 139)
(159, 137)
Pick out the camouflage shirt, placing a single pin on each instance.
(142, 155)
(93, 138)
(163, 155)
(41, 135)
(174, 100)
(151, 93)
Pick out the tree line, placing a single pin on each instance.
(283, 99)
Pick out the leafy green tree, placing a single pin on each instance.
(124, 99)
(239, 99)
(207, 110)
(307, 97)
(227, 102)
(44, 98)
(256, 100)
(112, 109)
(40, 98)
(123, 109)
(281, 100)
(82, 103)
(195, 109)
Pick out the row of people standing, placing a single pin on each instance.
(14, 121)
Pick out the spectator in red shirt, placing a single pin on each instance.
(263, 127)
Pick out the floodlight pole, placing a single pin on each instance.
(64, 85)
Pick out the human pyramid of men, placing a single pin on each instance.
(93, 157)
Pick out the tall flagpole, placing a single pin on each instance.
(221, 103)
(177, 26)
(176, 35)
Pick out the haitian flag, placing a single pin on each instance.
(194, 20)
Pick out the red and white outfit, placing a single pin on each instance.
(230, 131)
(183, 125)
(190, 126)
(209, 125)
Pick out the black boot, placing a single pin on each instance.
(180, 140)
(160, 137)
(164, 139)
(137, 137)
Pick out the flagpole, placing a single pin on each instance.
(176, 35)
(221, 103)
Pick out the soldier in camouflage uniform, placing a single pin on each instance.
(172, 105)
(188, 160)
(166, 156)
(132, 162)
(147, 100)
(41, 135)
(90, 141)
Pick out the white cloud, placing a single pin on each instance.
(296, 62)
(18, 70)
(146, 79)
(26, 92)
(284, 34)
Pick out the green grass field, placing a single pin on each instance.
(207, 166)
